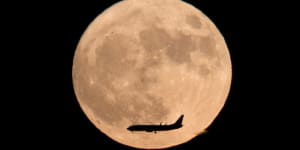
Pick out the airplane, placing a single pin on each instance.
(155, 128)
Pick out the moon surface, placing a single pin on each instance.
(148, 62)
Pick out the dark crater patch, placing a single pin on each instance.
(180, 48)
(204, 70)
(193, 21)
(111, 55)
(207, 46)
(154, 38)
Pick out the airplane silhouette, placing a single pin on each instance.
(155, 128)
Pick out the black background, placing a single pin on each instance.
(42, 108)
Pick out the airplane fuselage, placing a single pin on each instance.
(151, 128)
(154, 128)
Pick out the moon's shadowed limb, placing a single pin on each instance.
(131, 69)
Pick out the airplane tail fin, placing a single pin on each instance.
(179, 121)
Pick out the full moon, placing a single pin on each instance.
(148, 62)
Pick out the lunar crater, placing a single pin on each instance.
(180, 48)
(194, 21)
(153, 39)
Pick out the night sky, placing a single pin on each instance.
(45, 110)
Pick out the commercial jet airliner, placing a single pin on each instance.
(155, 128)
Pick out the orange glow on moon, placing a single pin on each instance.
(147, 62)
